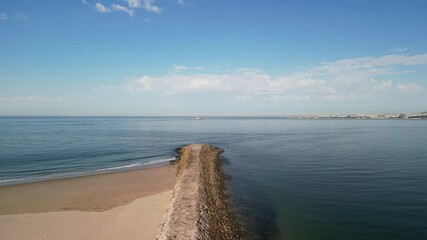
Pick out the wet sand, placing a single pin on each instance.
(121, 205)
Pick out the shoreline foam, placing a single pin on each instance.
(98, 192)
(122, 168)
(104, 205)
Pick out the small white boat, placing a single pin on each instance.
(197, 118)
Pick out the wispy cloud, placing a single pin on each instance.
(101, 8)
(134, 3)
(21, 17)
(3, 16)
(116, 7)
(340, 80)
(398, 50)
(148, 5)
(409, 87)
(182, 68)
(26, 101)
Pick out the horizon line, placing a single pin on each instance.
(210, 115)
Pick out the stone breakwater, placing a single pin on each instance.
(199, 207)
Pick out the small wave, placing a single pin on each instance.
(83, 173)
(120, 167)
(135, 165)
(12, 180)
(4, 182)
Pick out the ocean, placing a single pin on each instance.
(289, 179)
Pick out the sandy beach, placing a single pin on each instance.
(121, 205)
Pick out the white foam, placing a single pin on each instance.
(110, 169)
(12, 180)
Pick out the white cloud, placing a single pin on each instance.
(3, 16)
(148, 5)
(409, 87)
(180, 1)
(23, 99)
(379, 86)
(179, 68)
(182, 68)
(101, 8)
(116, 7)
(398, 50)
(21, 16)
(340, 80)
(242, 82)
(278, 98)
(134, 3)
(373, 63)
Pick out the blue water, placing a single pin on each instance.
(290, 179)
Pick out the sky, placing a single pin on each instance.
(212, 58)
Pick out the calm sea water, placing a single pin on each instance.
(291, 179)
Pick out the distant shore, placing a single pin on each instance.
(127, 204)
(390, 116)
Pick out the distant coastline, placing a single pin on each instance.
(422, 115)
(404, 115)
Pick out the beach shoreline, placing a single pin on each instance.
(98, 192)
(125, 168)
(184, 200)
(114, 205)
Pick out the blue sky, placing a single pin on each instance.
(201, 57)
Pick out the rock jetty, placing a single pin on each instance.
(199, 207)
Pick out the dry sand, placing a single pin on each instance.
(123, 205)
(140, 219)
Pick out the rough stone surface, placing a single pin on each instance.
(199, 208)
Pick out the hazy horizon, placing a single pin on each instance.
(220, 115)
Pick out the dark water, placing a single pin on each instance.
(291, 179)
